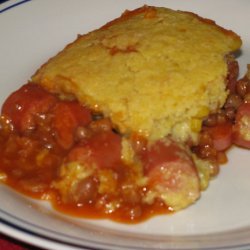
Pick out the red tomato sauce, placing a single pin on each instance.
(59, 150)
(39, 133)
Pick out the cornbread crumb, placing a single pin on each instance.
(128, 154)
(151, 71)
(70, 176)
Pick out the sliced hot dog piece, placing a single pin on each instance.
(22, 106)
(102, 149)
(67, 116)
(221, 135)
(172, 176)
(241, 130)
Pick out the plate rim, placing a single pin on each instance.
(11, 4)
(7, 6)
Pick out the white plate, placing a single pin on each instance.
(33, 31)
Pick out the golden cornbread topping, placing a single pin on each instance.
(139, 70)
(130, 120)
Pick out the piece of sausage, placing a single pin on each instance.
(66, 117)
(172, 176)
(241, 129)
(102, 149)
(221, 135)
(22, 106)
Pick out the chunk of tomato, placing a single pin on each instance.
(22, 106)
(221, 135)
(67, 116)
(172, 176)
(241, 129)
(102, 149)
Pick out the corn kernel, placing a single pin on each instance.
(195, 124)
(202, 112)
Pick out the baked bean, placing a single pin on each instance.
(242, 87)
(82, 133)
(230, 113)
(207, 151)
(101, 125)
(247, 98)
(86, 190)
(211, 120)
(233, 100)
(221, 117)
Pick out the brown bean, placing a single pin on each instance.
(86, 190)
(230, 113)
(210, 121)
(207, 152)
(101, 125)
(82, 133)
(234, 101)
(247, 98)
(221, 117)
(242, 87)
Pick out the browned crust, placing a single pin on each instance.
(149, 12)
(213, 23)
